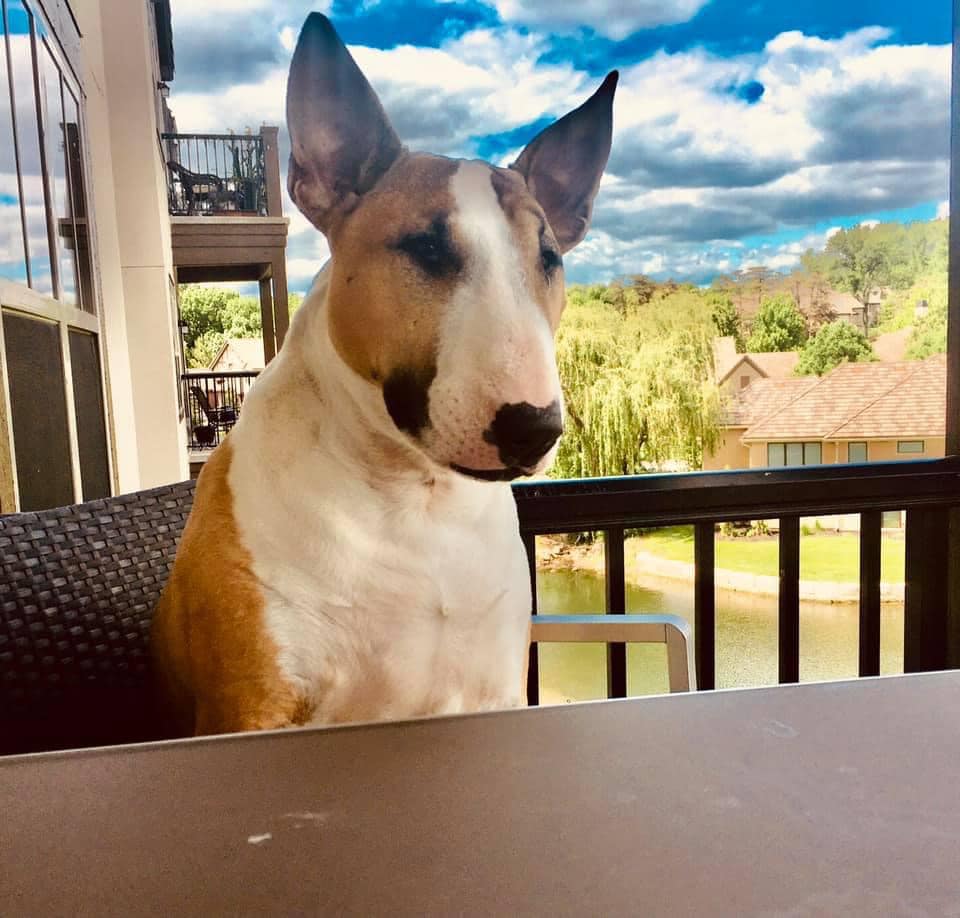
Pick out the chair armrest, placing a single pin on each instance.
(671, 630)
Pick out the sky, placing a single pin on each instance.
(744, 132)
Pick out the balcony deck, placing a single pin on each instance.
(226, 218)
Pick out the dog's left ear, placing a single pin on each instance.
(340, 137)
(564, 163)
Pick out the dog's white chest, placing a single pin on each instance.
(385, 612)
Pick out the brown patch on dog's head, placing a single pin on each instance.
(446, 283)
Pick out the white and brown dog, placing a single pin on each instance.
(353, 551)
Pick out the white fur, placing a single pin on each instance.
(375, 575)
(496, 346)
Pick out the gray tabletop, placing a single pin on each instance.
(833, 799)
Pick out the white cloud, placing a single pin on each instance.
(614, 18)
(842, 127)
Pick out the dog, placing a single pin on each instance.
(353, 552)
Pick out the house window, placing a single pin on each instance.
(857, 452)
(789, 454)
(744, 382)
(909, 446)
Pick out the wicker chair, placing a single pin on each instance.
(78, 586)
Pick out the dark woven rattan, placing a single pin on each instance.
(78, 586)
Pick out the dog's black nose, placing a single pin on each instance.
(523, 433)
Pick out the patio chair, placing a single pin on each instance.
(78, 586)
(203, 188)
(222, 418)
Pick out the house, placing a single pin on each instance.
(859, 412)
(102, 213)
(239, 354)
(734, 371)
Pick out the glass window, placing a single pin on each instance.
(857, 452)
(910, 446)
(56, 150)
(19, 22)
(76, 169)
(13, 262)
(812, 454)
(794, 454)
(775, 454)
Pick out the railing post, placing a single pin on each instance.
(925, 618)
(789, 621)
(616, 590)
(271, 166)
(533, 665)
(870, 544)
(704, 604)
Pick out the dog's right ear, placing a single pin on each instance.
(341, 139)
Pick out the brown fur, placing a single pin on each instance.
(374, 286)
(217, 665)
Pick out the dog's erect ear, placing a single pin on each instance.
(564, 163)
(341, 139)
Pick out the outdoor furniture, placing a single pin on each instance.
(220, 418)
(826, 799)
(202, 188)
(78, 586)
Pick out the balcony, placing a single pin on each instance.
(213, 403)
(226, 217)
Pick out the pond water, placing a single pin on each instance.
(746, 639)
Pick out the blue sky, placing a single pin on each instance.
(745, 131)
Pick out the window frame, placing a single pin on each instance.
(904, 447)
(866, 451)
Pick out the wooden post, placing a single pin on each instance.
(266, 316)
(271, 167)
(281, 308)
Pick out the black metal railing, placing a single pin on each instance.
(928, 490)
(216, 174)
(214, 401)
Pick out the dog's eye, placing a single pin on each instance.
(432, 250)
(550, 259)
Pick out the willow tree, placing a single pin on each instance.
(638, 385)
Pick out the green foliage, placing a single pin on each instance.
(930, 333)
(778, 326)
(214, 314)
(833, 344)
(637, 383)
(726, 319)
(860, 259)
(889, 254)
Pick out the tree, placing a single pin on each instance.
(778, 326)
(860, 260)
(214, 314)
(833, 344)
(930, 331)
(638, 386)
(725, 317)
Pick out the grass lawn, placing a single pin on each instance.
(823, 556)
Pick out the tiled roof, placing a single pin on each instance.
(764, 397)
(776, 365)
(239, 354)
(917, 407)
(868, 400)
